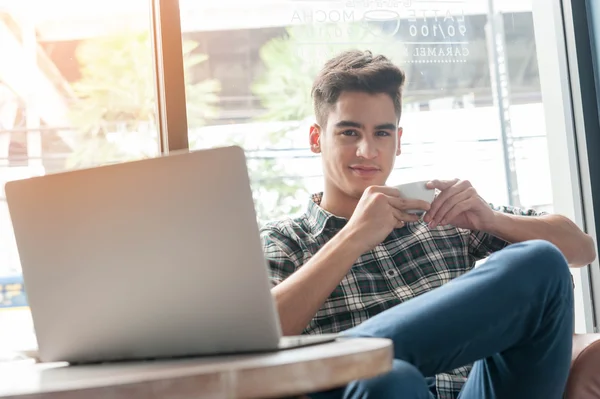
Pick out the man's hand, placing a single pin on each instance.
(380, 210)
(459, 205)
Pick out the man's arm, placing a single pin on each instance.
(301, 295)
(576, 246)
(459, 204)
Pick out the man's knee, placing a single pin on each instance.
(403, 381)
(543, 257)
(535, 262)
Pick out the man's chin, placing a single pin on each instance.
(357, 190)
(354, 187)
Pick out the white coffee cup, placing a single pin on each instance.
(417, 190)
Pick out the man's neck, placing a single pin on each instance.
(338, 203)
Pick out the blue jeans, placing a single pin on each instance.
(512, 317)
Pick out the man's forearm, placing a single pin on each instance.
(577, 247)
(301, 295)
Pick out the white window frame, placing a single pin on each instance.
(567, 150)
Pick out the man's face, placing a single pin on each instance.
(359, 143)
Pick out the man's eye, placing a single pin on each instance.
(349, 133)
(382, 133)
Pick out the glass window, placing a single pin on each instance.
(472, 95)
(76, 90)
(472, 103)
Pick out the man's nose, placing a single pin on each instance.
(366, 149)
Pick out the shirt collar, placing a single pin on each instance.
(319, 219)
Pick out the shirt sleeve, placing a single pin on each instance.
(482, 244)
(278, 249)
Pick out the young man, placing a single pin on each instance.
(357, 263)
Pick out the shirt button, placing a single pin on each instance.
(391, 273)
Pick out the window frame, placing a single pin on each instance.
(583, 35)
(562, 25)
(167, 52)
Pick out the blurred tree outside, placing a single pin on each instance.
(115, 115)
(115, 111)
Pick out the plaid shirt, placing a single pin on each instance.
(411, 261)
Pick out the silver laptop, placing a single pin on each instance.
(146, 259)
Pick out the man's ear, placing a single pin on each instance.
(315, 138)
(398, 148)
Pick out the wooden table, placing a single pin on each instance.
(278, 374)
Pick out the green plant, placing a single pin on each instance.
(115, 111)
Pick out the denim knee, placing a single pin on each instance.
(535, 263)
(403, 381)
(545, 259)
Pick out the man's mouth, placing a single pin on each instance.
(365, 171)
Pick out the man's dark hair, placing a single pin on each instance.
(357, 71)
